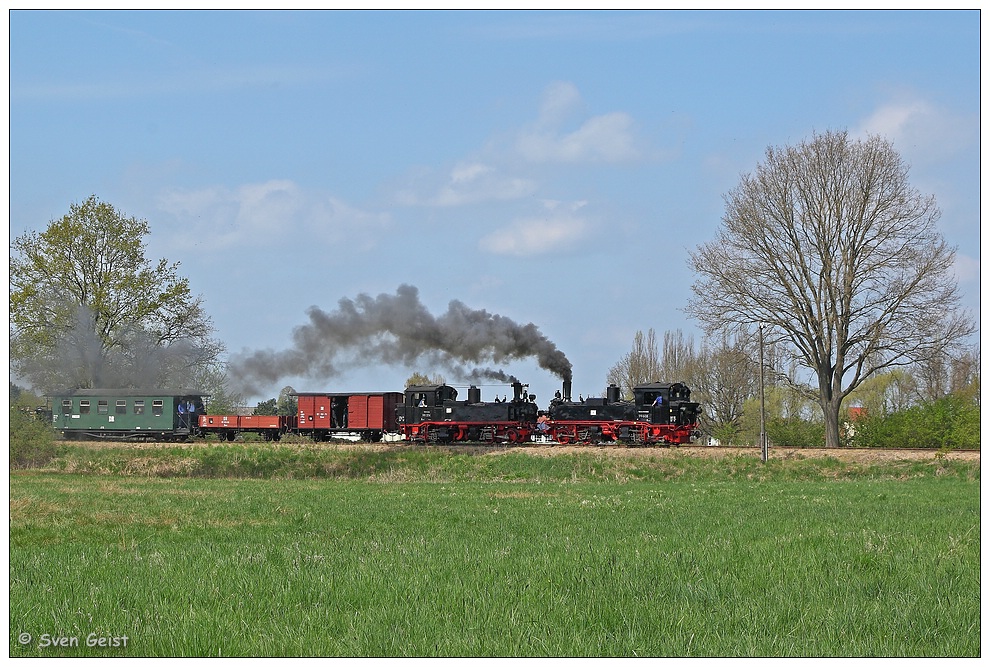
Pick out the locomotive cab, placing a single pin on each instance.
(424, 402)
(665, 403)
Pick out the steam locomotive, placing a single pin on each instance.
(659, 414)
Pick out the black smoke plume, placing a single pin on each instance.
(396, 329)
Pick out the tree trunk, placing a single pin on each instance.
(831, 412)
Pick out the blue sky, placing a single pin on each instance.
(553, 168)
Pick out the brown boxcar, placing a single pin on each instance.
(347, 416)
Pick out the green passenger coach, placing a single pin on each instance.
(128, 414)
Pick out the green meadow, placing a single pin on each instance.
(299, 551)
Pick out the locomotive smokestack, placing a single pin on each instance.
(567, 390)
(517, 391)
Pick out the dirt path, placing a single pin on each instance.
(854, 455)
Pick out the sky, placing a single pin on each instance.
(553, 168)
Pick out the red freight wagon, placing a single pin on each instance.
(224, 427)
(271, 427)
(363, 416)
(213, 422)
(254, 422)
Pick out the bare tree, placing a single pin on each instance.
(724, 377)
(829, 247)
(641, 364)
(677, 360)
(943, 374)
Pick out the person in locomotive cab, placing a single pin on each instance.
(658, 400)
(422, 402)
(541, 423)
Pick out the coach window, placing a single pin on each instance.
(121, 407)
(83, 407)
(67, 407)
(139, 406)
(103, 407)
(157, 407)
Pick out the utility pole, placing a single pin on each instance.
(764, 449)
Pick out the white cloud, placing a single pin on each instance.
(465, 173)
(606, 138)
(558, 230)
(559, 100)
(892, 119)
(920, 129)
(468, 183)
(966, 269)
(263, 214)
(487, 176)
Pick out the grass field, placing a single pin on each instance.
(253, 551)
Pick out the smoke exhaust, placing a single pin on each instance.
(396, 329)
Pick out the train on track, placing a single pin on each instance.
(658, 414)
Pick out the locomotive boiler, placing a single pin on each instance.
(432, 413)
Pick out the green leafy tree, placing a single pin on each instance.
(791, 418)
(422, 378)
(212, 379)
(87, 308)
(287, 403)
(885, 393)
(828, 246)
(948, 423)
(269, 407)
(31, 439)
